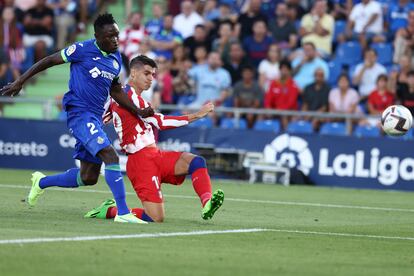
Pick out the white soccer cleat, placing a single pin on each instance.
(129, 218)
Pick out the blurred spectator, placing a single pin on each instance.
(367, 72)
(343, 99)
(283, 93)
(178, 59)
(154, 25)
(405, 92)
(295, 9)
(404, 41)
(38, 27)
(400, 75)
(211, 11)
(200, 54)
(199, 38)
(365, 23)
(397, 16)
(247, 93)
(246, 20)
(183, 85)
(167, 39)
(305, 67)
(223, 42)
(257, 45)
(380, 98)
(283, 30)
(315, 96)
(163, 87)
(18, 13)
(145, 49)
(317, 27)
(226, 16)
(213, 82)
(131, 37)
(342, 9)
(236, 62)
(186, 21)
(4, 66)
(269, 67)
(25, 5)
(11, 42)
(65, 22)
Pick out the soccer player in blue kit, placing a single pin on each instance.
(94, 74)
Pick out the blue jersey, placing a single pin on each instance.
(92, 72)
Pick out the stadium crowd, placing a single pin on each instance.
(342, 56)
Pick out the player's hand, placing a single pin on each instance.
(146, 112)
(11, 89)
(207, 108)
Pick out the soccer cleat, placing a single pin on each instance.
(129, 218)
(101, 210)
(35, 191)
(213, 204)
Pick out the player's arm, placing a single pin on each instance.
(122, 99)
(163, 122)
(14, 88)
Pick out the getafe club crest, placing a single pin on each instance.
(100, 140)
(116, 65)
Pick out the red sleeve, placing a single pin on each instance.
(268, 100)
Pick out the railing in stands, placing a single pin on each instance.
(238, 112)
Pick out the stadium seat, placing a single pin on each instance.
(367, 131)
(335, 70)
(384, 52)
(300, 127)
(230, 123)
(268, 125)
(205, 122)
(349, 53)
(338, 129)
(340, 27)
(186, 100)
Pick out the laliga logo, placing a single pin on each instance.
(290, 150)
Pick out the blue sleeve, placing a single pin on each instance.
(73, 53)
(117, 79)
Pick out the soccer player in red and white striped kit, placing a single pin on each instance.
(147, 165)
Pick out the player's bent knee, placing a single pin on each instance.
(198, 162)
(158, 218)
(89, 181)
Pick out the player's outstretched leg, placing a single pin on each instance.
(213, 204)
(35, 191)
(202, 186)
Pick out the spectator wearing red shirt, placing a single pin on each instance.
(283, 93)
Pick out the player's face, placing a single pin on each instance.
(143, 77)
(108, 38)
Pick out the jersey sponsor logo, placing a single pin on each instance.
(116, 65)
(70, 50)
(95, 72)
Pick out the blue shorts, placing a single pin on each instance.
(86, 127)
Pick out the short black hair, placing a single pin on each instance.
(102, 20)
(285, 63)
(142, 60)
(248, 67)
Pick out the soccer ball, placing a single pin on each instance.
(396, 120)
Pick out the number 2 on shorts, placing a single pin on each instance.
(91, 127)
(157, 185)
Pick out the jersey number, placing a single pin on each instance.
(91, 127)
(157, 185)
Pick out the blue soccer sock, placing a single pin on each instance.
(69, 179)
(115, 182)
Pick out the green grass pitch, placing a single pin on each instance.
(300, 231)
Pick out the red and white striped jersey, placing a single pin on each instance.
(134, 132)
(130, 40)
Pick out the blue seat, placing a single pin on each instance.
(205, 122)
(349, 53)
(367, 131)
(186, 99)
(338, 129)
(300, 127)
(335, 70)
(230, 123)
(384, 52)
(268, 125)
(340, 27)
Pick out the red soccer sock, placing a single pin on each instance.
(202, 184)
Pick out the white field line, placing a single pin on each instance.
(307, 204)
(133, 236)
(199, 233)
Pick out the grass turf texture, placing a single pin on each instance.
(59, 214)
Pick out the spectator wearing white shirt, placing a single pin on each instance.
(186, 21)
(269, 67)
(365, 23)
(367, 72)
